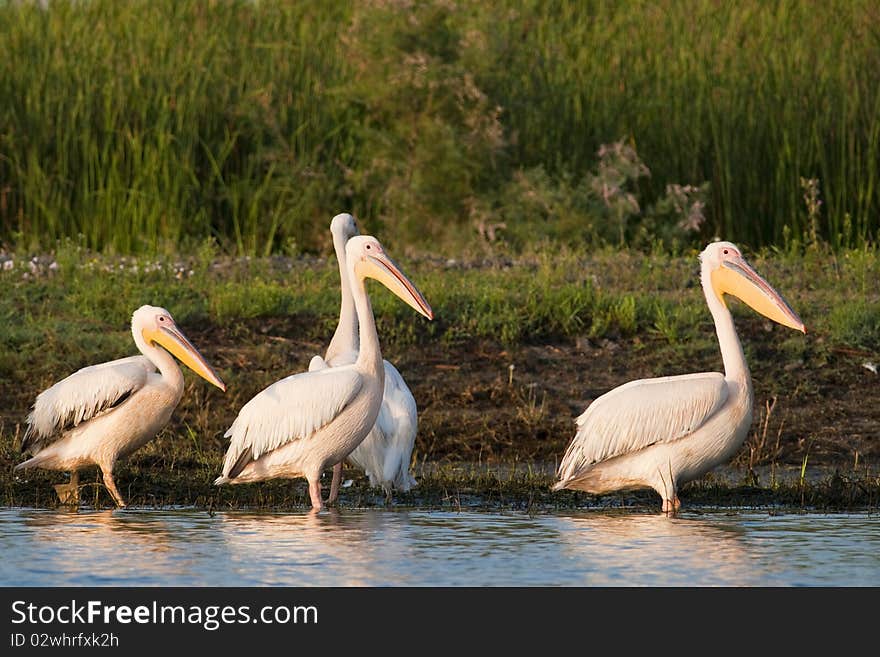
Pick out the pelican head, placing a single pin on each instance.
(369, 260)
(344, 226)
(729, 273)
(156, 326)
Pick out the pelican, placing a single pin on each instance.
(385, 453)
(659, 433)
(307, 422)
(103, 413)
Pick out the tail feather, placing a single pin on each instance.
(240, 463)
(25, 442)
(32, 462)
(30, 437)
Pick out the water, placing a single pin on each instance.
(185, 547)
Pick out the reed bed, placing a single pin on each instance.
(151, 126)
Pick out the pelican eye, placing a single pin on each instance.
(726, 251)
(161, 319)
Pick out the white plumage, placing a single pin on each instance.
(85, 394)
(641, 413)
(290, 409)
(103, 413)
(659, 433)
(307, 422)
(385, 454)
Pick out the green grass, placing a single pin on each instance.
(246, 314)
(858, 324)
(138, 127)
(84, 305)
(153, 480)
(55, 321)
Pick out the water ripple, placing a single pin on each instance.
(431, 548)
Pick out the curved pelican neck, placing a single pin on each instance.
(168, 367)
(735, 366)
(345, 338)
(369, 356)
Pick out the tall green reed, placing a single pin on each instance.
(150, 126)
(138, 126)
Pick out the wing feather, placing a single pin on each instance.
(289, 409)
(398, 404)
(317, 363)
(640, 413)
(86, 393)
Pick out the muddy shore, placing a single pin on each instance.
(494, 421)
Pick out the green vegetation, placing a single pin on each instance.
(76, 304)
(518, 347)
(152, 125)
(546, 172)
(157, 478)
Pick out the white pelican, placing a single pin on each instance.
(307, 422)
(385, 453)
(659, 433)
(103, 413)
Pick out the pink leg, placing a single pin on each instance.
(315, 493)
(334, 484)
(69, 493)
(668, 492)
(671, 506)
(111, 487)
